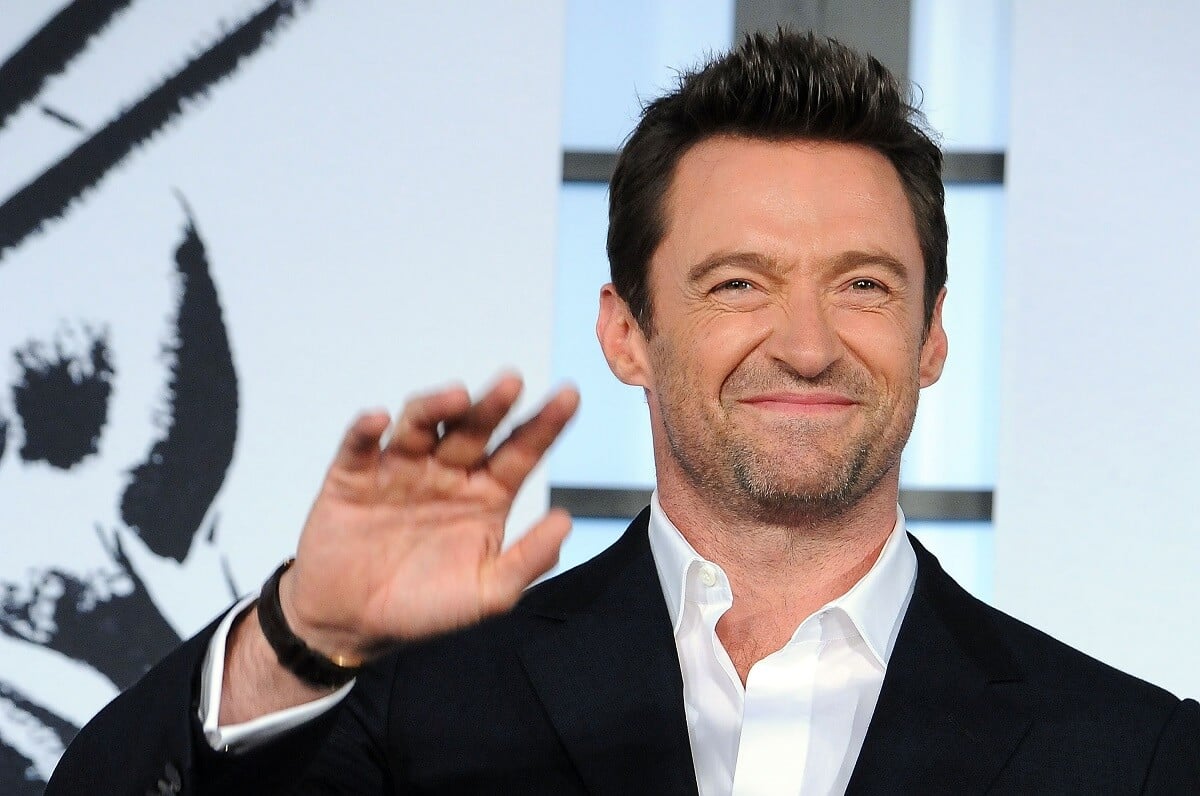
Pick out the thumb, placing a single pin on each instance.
(531, 556)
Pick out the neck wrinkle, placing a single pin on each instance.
(783, 572)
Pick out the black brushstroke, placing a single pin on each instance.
(3, 437)
(230, 581)
(48, 51)
(50, 194)
(226, 569)
(169, 494)
(59, 116)
(62, 399)
(62, 729)
(120, 636)
(17, 773)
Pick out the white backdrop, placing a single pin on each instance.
(375, 188)
(1098, 538)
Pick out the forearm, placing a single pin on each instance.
(254, 684)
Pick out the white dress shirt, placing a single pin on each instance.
(246, 735)
(796, 727)
(799, 723)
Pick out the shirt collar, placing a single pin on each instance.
(673, 554)
(875, 604)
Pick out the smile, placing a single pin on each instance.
(806, 403)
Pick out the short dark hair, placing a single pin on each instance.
(786, 86)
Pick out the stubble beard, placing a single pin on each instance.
(766, 486)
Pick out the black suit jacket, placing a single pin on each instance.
(578, 690)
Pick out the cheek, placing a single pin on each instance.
(719, 343)
(886, 348)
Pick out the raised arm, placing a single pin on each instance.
(404, 539)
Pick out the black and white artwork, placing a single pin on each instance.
(87, 600)
(221, 227)
(108, 478)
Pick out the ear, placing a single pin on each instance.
(622, 340)
(934, 349)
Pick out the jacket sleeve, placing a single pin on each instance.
(149, 739)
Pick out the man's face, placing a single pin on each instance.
(788, 343)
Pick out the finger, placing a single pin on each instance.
(465, 440)
(531, 556)
(415, 433)
(516, 457)
(360, 446)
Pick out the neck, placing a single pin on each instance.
(782, 569)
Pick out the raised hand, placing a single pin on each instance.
(404, 540)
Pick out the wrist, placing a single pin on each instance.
(254, 683)
(308, 655)
(320, 636)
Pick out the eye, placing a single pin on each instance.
(867, 285)
(733, 285)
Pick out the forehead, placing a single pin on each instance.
(800, 202)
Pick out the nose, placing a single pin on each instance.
(804, 337)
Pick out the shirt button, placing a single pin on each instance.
(708, 575)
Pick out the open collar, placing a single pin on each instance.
(874, 605)
(947, 720)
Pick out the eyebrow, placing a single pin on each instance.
(846, 261)
(850, 260)
(750, 260)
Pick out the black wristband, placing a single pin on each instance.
(294, 655)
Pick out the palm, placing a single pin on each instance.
(404, 541)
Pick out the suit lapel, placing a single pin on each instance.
(608, 673)
(947, 719)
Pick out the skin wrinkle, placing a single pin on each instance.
(785, 270)
(675, 194)
(748, 465)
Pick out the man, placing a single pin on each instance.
(777, 243)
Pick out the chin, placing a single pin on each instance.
(777, 484)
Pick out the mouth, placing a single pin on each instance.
(808, 403)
